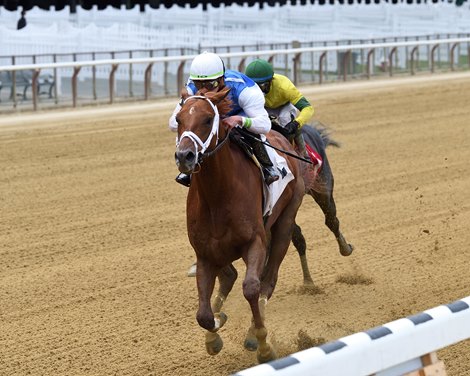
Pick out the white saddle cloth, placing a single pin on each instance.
(274, 191)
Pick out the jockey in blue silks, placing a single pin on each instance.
(208, 71)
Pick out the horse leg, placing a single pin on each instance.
(205, 278)
(328, 206)
(281, 236)
(254, 260)
(300, 245)
(227, 277)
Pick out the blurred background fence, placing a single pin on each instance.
(84, 82)
(95, 35)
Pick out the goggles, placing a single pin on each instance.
(207, 84)
(264, 86)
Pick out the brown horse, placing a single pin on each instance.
(225, 219)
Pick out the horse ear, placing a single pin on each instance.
(184, 94)
(225, 92)
(219, 96)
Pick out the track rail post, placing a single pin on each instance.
(112, 81)
(76, 70)
(370, 56)
(452, 51)
(390, 60)
(320, 65)
(148, 80)
(34, 88)
(434, 48)
(413, 51)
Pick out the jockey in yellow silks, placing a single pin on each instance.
(282, 100)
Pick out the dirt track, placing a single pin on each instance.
(93, 247)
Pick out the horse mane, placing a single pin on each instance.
(220, 99)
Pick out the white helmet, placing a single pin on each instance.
(206, 66)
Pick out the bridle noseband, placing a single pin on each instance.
(203, 153)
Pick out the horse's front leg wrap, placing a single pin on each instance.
(218, 303)
(251, 341)
(265, 352)
(220, 319)
(213, 341)
(262, 302)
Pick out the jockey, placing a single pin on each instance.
(208, 71)
(283, 101)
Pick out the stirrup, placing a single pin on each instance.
(184, 179)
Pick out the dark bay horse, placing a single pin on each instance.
(320, 187)
(225, 219)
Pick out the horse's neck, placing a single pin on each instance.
(218, 174)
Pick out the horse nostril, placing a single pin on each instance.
(190, 156)
(186, 157)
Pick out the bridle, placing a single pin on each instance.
(198, 143)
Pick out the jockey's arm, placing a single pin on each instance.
(300, 102)
(305, 111)
(255, 118)
(172, 124)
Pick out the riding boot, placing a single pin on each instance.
(270, 174)
(184, 179)
(300, 142)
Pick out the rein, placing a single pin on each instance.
(208, 154)
(296, 156)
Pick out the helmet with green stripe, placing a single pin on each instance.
(259, 71)
(206, 66)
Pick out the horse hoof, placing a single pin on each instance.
(346, 251)
(213, 343)
(251, 344)
(308, 283)
(344, 248)
(267, 356)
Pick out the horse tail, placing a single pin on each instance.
(325, 134)
(318, 137)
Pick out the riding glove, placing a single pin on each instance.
(291, 127)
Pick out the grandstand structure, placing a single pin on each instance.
(73, 5)
(129, 29)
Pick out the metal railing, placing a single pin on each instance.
(306, 65)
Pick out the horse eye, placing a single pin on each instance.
(209, 120)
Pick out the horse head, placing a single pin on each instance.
(199, 126)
